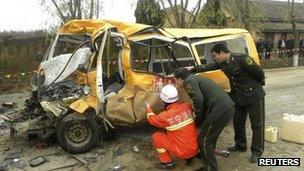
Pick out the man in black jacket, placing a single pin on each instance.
(282, 43)
(246, 79)
(301, 47)
(269, 47)
(290, 46)
(213, 109)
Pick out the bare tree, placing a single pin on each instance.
(295, 32)
(294, 24)
(244, 13)
(75, 9)
(179, 10)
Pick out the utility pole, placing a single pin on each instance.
(295, 35)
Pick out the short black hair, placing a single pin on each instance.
(181, 73)
(219, 47)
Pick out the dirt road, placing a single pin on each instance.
(284, 88)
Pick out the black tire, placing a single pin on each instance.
(77, 134)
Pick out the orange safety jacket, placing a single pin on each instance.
(181, 130)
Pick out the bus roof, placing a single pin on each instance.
(93, 26)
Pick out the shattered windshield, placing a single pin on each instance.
(69, 53)
(67, 44)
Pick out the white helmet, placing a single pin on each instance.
(169, 94)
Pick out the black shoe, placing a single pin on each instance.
(254, 158)
(201, 169)
(165, 165)
(198, 155)
(236, 149)
(189, 162)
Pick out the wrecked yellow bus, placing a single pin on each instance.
(99, 73)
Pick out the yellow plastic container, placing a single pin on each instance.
(293, 128)
(271, 134)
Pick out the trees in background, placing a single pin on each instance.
(74, 9)
(244, 14)
(292, 19)
(179, 16)
(212, 14)
(232, 13)
(149, 12)
(294, 30)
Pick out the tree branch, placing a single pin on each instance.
(168, 18)
(72, 12)
(91, 9)
(182, 15)
(97, 8)
(175, 12)
(59, 11)
(79, 16)
(194, 14)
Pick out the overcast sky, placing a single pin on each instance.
(29, 15)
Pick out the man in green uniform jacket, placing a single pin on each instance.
(213, 109)
(246, 79)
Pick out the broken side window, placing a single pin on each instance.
(111, 65)
(235, 45)
(111, 55)
(159, 56)
(140, 56)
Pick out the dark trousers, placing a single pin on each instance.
(268, 54)
(290, 53)
(301, 52)
(208, 138)
(256, 113)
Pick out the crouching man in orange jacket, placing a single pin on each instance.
(180, 139)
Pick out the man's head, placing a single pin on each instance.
(181, 74)
(169, 94)
(220, 52)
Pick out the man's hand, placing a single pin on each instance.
(148, 106)
(149, 110)
(189, 68)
